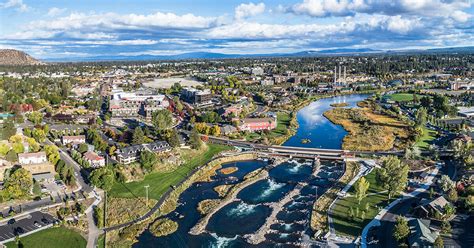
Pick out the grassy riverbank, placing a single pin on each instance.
(346, 225)
(427, 136)
(51, 238)
(319, 216)
(159, 182)
(370, 129)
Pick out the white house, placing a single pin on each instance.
(74, 140)
(32, 158)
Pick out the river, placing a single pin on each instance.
(231, 223)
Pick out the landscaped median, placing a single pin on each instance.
(350, 217)
(319, 218)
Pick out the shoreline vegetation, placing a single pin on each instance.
(319, 214)
(228, 170)
(339, 105)
(163, 227)
(370, 128)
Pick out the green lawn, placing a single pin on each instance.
(51, 238)
(403, 97)
(428, 135)
(159, 182)
(346, 226)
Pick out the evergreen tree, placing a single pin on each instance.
(138, 136)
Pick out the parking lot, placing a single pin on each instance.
(24, 225)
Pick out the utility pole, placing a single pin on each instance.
(146, 190)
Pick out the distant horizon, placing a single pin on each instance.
(73, 30)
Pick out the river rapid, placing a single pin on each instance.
(229, 226)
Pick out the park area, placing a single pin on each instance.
(404, 97)
(426, 138)
(51, 238)
(347, 225)
(160, 182)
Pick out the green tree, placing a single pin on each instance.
(446, 183)
(195, 139)
(103, 178)
(36, 188)
(162, 119)
(18, 184)
(361, 188)
(173, 139)
(8, 129)
(393, 175)
(148, 160)
(35, 117)
(138, 136)
(421, 116)
(11, 156)
(4, 149)
(18, 147)
(401, 231)
(83, 148)
(439, 243)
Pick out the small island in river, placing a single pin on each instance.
(339, 105)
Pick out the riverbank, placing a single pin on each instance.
(370, 128)
(319, 216)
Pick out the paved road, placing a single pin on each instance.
(77, 168)
(25, 225)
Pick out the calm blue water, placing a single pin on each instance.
(314, 126)
(244, 216)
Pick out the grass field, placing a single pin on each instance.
(403, 97)
(347, 226)
(51, 238)
(160, 182)
(428, 135)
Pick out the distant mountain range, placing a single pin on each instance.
(14, 57)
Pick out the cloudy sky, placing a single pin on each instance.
(60, 28)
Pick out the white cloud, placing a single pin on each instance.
(399, 25)
(245, 10)
(56, 11)
(15, 4)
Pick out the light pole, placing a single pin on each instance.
(146, 190)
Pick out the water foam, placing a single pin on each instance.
(222, 241)
(272, 186)
(242, 209)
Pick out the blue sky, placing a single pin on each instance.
(84, 28)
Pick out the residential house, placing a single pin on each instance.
(94, 159)
(431, 208)
(74, 140)
(32, 158)
(421, 234)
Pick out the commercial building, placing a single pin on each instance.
(257, 124)
(127, 104)
(199, 98)
(131, 154)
